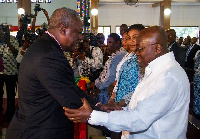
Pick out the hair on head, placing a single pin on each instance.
(138, 27)
(115, 37)
(64, 16)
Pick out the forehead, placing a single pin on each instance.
(142, 41)
(170, 32)
(146, 39)
(133, 32)
(110, 39)
(123, 27)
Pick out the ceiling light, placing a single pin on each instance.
(21, 11)
(167, 11)
(94, 12)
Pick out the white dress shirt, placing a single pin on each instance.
(159, 106)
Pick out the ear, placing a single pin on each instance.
(62, 29)
(158, 49)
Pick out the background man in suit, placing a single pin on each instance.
(178, 51)
(46, 82)
(189, 59)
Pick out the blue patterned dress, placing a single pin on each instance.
(128, 78)
(196, 105)
(108, 75)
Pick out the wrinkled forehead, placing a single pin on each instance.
(145, 39)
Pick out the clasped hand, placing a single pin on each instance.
(82, 114)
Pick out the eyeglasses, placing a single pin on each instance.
(140, 49)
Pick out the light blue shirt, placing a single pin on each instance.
(159, 106)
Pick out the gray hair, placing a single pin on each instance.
(63, 16)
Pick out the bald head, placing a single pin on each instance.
(154, 35)
(151, 43)
(64, 16)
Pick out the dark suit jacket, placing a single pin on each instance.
(46, 84)
(190, 58)
(179, 53)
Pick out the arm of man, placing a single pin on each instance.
(138, 119)
(56, 75)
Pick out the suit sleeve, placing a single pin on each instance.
(56, 76)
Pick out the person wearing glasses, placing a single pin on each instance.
(160, 103)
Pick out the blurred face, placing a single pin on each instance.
(101, 38)
(132, 34)
(180, 41)
(193, 40)
(171, 37)
(122, 30)
(186, 42)
(72, 36)
(124, 41)
(145, 51)
(111, 44)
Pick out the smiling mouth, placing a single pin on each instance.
(132, 45)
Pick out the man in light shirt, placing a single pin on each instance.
(159, 106)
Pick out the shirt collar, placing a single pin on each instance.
(54, 38)
(159, 62)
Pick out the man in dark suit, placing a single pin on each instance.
(46, 82)
(189, 59)
(178, 51)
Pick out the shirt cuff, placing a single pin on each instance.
(98, 118)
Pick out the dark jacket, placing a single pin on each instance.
(179, 53)
(46, 84)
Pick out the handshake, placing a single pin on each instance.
(83, 114)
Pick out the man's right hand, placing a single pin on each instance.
(80, 115)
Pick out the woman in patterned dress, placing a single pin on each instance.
(127, 75)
